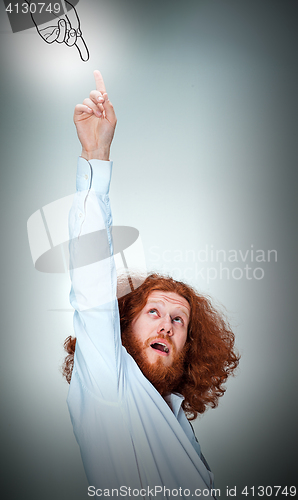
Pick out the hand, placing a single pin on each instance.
(55, 33)
(95, 121)
(65, 28)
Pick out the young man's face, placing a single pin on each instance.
(161, 327)
(157, 337)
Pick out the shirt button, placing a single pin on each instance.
(86, 176)
(80, 214)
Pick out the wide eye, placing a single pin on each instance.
(178, 320)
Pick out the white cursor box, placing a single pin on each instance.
(49, 245)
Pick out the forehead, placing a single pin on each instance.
(170, 298)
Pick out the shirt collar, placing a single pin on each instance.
(175, 401)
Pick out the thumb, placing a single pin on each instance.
(109, 109)
(62, 31)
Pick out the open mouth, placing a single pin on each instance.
(160, 346)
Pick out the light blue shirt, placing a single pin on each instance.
(129, 436)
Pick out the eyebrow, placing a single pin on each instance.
(156, 301)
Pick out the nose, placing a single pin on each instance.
(165, 326)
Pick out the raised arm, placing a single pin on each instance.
(93, 274)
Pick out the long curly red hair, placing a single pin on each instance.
(211, 356)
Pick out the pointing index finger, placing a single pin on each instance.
(99, 81)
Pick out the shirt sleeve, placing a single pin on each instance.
(94, 282)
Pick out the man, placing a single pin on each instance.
(134, 373)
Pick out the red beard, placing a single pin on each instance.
(164, 378)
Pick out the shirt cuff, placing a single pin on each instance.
(94, 174)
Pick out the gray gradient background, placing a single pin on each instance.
(204, 153)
